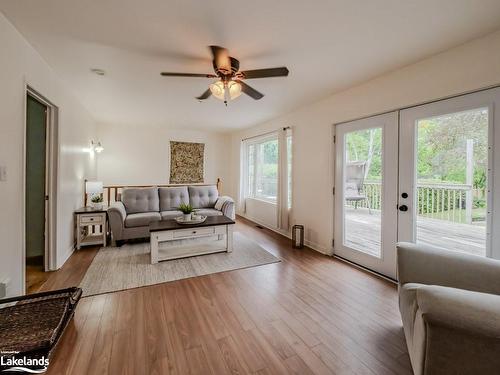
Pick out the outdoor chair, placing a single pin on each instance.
(354, 181)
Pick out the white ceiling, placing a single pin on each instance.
(327, 45)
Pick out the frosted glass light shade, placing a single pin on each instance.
(217, 89)
(94, 187)
(234, 89)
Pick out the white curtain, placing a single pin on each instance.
(284, 176)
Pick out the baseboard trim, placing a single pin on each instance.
(318, 248)
(312, 245)
(67, 254)
(375, 273)
(275, 230)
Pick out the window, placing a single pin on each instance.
(262, 169)
(266, 178)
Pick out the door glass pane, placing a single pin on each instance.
(451, 168)
(363, 190)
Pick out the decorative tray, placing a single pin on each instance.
(198, 219)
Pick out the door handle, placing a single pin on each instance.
(403, 208)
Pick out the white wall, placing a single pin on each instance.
(140, 155)
(21, 64)
(262, 212)
(468, 67)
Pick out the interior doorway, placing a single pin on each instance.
(39, 187)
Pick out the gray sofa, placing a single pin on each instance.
(450, 307)
(130, 217)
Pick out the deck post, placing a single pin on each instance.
(469, 176)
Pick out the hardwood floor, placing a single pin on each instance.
(309, 314)
(35, 277)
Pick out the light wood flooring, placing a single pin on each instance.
(309, 314)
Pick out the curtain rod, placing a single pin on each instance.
(263, 134)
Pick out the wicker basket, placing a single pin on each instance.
(31, 325)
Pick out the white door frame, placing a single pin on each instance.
(484, 99)
(386, 264)
(52, 151)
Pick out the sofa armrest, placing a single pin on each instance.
(473, 312)
(432, 266)
(117, 215)
(226, 205)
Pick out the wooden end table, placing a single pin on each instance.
(91, 226)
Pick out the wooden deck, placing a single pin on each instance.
(363, 233)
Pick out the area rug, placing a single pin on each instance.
(126, 267)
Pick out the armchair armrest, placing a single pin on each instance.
(474, 312)
(432, 266)
(226, 205)
(117, 215)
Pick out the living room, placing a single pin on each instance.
(226, 192)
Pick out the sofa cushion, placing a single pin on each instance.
(207, 212)
(141, 219)
(140, 200)
(203, 196)
(171, 197)
(171, 214)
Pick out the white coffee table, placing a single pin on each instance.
(192, 239)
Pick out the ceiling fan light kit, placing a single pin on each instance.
(225, 91)
(230, 83)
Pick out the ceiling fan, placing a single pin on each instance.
(229, 84)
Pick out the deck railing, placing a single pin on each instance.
(452, 202)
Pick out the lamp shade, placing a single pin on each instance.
(225, 91)
(234, 89)
(218, 90)
(93, 187)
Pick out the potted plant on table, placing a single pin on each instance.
(187, 211)
(97, 201)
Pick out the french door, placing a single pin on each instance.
(423, 174)
(366, 180)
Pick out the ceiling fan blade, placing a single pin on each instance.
(221, 58)
(250, 91)
(265, 73)
(169, 74)
(205, 95)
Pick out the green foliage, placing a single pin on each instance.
(441, 148)
(96, 198)
(479, 203)
(479, 179)
(366, 145)
(478, 215)
(185, 208)
(270, 152)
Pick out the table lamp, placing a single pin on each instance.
(93, 188)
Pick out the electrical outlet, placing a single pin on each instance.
(3, 173)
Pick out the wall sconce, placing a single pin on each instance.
(96, 146)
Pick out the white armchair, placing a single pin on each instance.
(450, 307)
